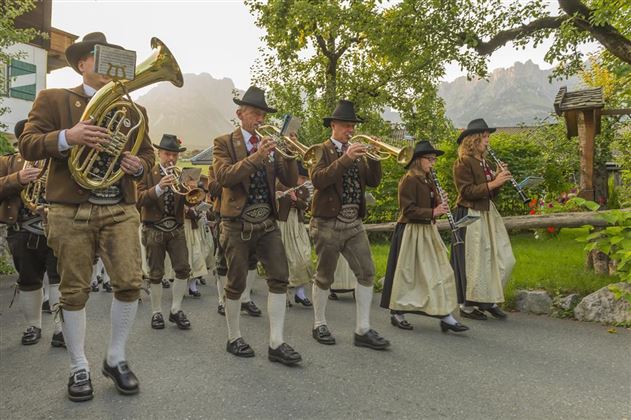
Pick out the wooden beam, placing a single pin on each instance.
(519, 223)
(586, 134)
(621, 111)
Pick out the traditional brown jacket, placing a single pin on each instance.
(151, 206)
(417, 199)
(285, 203)
(214, 189)
(10, 188)
(327, 176)
(59, 109)
(232, 167)
(472, 185)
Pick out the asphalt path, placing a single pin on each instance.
(528, 367)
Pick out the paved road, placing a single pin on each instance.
(527, 367)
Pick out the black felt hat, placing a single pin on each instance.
(170, 143)
(475, 126)
(422, 148)
(19, 128)
(76, 51)
(344, 111)
(255, 97)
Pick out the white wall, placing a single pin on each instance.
(19, 108)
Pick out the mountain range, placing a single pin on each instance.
(203, 109)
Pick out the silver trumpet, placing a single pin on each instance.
(307, 184)
(443, 196)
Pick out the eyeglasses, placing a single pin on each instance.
(431, 159)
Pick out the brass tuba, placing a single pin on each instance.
(379, 150)
(112, 107)
(33, 194)
(290, 149)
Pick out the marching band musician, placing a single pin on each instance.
(32, 257)
(291, 222)
(418, 277)
(485, 262)
(162, 216)
(82, 222)
(193, 236)
(339, 179)
(247, 169)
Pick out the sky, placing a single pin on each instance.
(205, 36)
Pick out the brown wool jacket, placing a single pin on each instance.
(415, 199)
(10, 188)
(59, 109)
(151, 206)
(232, 167)
(327, 176)
(473, 190)
(214, 189)
(285, 204)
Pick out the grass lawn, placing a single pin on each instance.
(555, 265)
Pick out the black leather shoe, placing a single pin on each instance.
(194, 294)
(221, 310)
(157, 321)
(303, 302)
(94, 287)
(239, 348)
(284, 354)
(202, 281)
(165, 284)
(180, 320)
(251, 308)
(458, 327)
(496, 312)
(475, 314)
(31, 336)
(333, 296)
(323, 335)
(58, 340)
(372, 340)
(80, 386)
(107, 287)
(403, 324)
(124, 379)
(46, 307)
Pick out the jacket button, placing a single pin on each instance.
(8, 207)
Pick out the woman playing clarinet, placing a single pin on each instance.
(419, 278)
(484, 262)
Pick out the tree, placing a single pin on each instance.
(319, 52)
(9, 36)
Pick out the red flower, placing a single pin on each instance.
(532, 203)
(179, 140)
(550, 229)
(533, 211)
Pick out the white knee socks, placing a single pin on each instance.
(53, 293)
(233, 311)
(363, 297)
(276, 307)
(300, 292)
(246, 296)
(320, 298)
(221, 283)
(179, 289)
(122, 317)
(73, 327)
(156, 297)
(449, 320)
(31, 305)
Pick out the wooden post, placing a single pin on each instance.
(586, 134)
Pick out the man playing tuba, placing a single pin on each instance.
(83, 222)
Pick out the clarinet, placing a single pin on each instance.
(521, 193)
(450, 217)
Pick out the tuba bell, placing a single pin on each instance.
(33, 194)
(379, 150)
(112, 107)
(289, 148)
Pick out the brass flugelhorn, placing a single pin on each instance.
(33, 194)
(290, 149)
(379, 150)
(192, 195)
(112, 107)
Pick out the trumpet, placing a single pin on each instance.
(192, 195)
(379, 150)
(289, 148)
(307, 184)
(33, 194)
(499, 163)
(450, 217)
